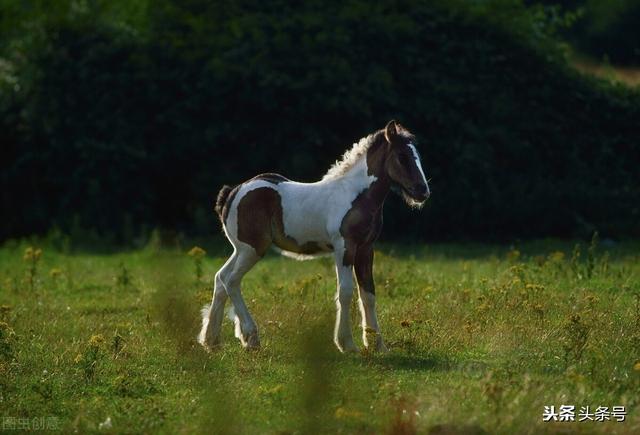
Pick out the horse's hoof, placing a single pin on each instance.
(209, 344)
(210, 347)
(348, 348)
(252, 342)
(382, 348)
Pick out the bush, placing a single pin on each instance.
(603, 29)
(117, 126)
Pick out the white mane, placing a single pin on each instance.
(349, 158)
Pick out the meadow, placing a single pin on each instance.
(482, 338)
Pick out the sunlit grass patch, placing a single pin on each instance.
(481, 338)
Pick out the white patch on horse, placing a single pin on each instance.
(418, 164)
(301, 257)
(313, 212)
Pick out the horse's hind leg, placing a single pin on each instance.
(213, 314)
(244, 258)
(248, 227)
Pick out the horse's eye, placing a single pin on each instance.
(404, 159)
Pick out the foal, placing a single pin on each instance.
(342, 214)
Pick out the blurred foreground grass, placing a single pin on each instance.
(482, 338)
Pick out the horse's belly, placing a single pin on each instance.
(305, 234)
(304, 224)
(312, 214)
(306, 248)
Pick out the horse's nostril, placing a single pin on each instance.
(424, 192)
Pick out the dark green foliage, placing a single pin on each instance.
(611, 29)
(603, 29)
(120, 124)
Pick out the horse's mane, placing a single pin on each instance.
(352, 155)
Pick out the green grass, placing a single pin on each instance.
(481, 337)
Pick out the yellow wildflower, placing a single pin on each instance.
(556, 257)
(6, 329)
(96, 340)
(343, 413)
(534, 287)
(197, 252)
(636, 366)
(55, 272)
(513, 255)
(31, 254)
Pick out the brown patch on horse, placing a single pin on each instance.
(260, 223)
(363, 221)
(255, 213)
(228, 193)
(363, 267)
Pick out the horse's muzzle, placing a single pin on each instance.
(420, 193)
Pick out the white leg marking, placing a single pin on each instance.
(202, 336)
(367, 302)
(213, 314)
(342, 334)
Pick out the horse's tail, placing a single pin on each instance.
(221, 200)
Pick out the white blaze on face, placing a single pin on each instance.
(418, 164)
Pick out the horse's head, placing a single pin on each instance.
(403, 165)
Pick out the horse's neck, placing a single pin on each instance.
(358, 179)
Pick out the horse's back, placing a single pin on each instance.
(270, 208)
(270, 177)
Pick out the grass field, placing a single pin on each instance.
(482, 338)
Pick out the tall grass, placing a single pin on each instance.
(481, 337)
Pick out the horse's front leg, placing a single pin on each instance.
(344, 271)
(367, 298)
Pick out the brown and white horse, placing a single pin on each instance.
(340, 214)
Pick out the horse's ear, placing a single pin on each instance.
(391, 130)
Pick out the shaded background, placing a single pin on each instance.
(118, 117)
